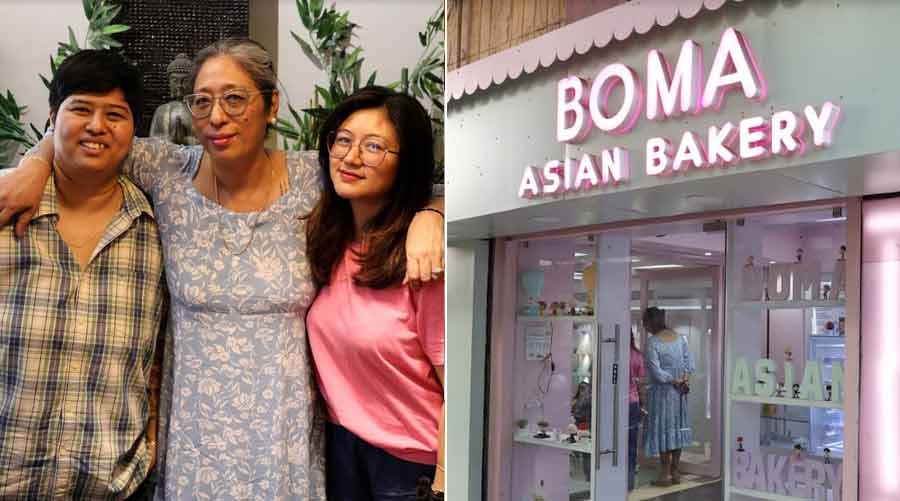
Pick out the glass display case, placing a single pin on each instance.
(785, 353)
(555, 334)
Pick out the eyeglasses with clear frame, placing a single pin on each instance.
(233, 102)
(372, 149)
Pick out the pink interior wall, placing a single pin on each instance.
(879, 432)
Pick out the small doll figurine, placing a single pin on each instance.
(788, 354)
(796, 390)
(543, 424)
(780, 391)
(843, 256)
(572, 430)
(797, 453)
(827, 452)
(799, 255)
(826, 291)
(542, 307)
(828, 392)
(740, 442)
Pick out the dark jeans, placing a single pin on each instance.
(634, 425)
(358, 471)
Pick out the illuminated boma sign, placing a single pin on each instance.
(583, 106)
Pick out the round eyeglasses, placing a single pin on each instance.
(233, 102)
(372, 149)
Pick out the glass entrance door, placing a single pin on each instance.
(678, 269)
(690, 298)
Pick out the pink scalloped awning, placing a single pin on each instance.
(638, 16)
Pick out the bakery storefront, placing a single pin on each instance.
(729, 162)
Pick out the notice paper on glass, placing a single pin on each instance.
(537, 342)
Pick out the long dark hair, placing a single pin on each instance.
(330, 228)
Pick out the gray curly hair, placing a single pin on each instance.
(250, 55)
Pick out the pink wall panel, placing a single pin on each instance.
(879, 459)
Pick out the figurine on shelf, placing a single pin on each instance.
(827, 452)
(796, 390)
(841, 324)
(839, 275)
(797, 454)
(788, 354)
(828, 392)
(572, 430)
(780, 391)
(799, 255)
(543, 424)
(740, 442)
(542, 308)
(826, 291)
(521, 423)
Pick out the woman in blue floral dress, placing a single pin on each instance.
(669, 364)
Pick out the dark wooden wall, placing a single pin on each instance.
(162, 29)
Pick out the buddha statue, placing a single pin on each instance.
(172, 120)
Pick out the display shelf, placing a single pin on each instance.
(786, 401)
(580, 446)
(789, 305)
(785, 419)
(762, 494)
(572, 318)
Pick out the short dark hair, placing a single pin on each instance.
(655, 318)
(93, 71)
(330, 228)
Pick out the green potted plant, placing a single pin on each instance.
(13, 133)
(329, 45)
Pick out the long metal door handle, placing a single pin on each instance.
(615, 382)
(598, 368)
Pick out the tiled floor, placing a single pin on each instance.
(692, 487)
(708, 492)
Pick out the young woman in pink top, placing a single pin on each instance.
(636, 373)
(378, 344)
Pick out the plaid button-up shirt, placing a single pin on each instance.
(76, 352)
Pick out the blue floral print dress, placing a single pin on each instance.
(668, 425)
(240, 416)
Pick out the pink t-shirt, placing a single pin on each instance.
(375, 353)
(637, 371)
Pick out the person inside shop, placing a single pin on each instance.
(581, 413)
(378, 345)
(637, 373)
(669, 364)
